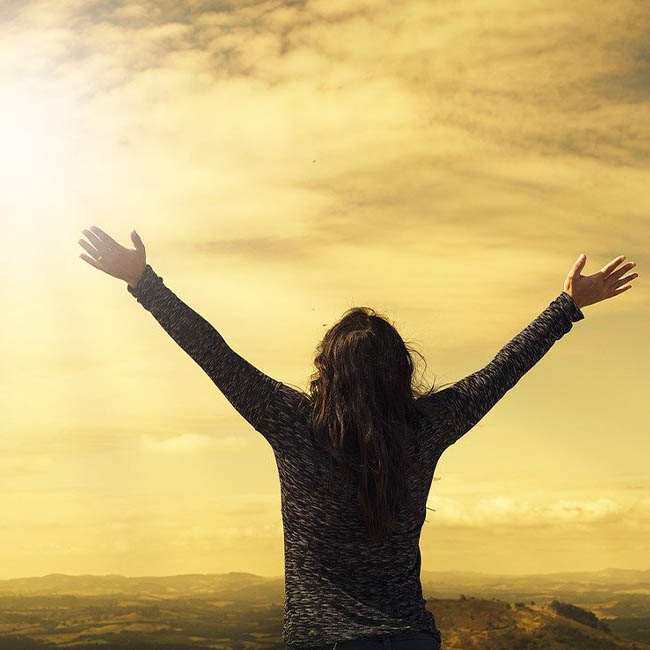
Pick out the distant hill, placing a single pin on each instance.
(483, 624)
(239, 611)
(621, 597)
(626, 580)
(180, 585)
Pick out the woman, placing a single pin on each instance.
(356, 455)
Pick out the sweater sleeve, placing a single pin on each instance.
(248, 389)
(467, 401)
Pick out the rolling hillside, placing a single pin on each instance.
(238, 611)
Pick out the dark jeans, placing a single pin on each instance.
(398, 641)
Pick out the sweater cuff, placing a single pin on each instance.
(145, 287)
(570, 306)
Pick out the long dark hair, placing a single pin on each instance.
(363, 406)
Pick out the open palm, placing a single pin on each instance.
(606, 283)
(107, 255)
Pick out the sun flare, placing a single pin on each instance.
(30, 137)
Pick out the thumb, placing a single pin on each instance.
(135, 238)
(580, 264)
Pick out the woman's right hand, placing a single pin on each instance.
(113, 258)
(606, 283)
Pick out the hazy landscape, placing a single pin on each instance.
(602, 610)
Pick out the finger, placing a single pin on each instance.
(621, 290)
(624, 269)
(608, 268)
(90, 261)
(578, 266)
(135, 238)
(98, 243)
(107, 239)
(627, 278)
(89, 248)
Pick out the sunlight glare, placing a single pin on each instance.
(30, 137)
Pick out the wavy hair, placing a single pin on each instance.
(364, 401)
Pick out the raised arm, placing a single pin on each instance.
(246, 388)
(267, 404)
(468, 400)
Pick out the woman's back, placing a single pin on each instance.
(339, 584)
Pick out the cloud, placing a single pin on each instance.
(190, 443)
(131, 12)
(402, 106)
(263, 247)
(508, 511)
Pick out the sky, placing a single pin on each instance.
(442, 162)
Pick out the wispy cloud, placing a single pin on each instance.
(522, 513)
(191, 443)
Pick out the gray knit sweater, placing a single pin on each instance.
(338, 584)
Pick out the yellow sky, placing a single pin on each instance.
(444, 163)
